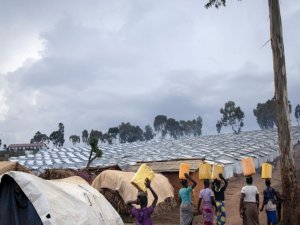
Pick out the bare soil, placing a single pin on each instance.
(233, 198)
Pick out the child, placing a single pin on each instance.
(142, 215)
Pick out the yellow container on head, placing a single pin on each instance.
(204, 171)
(184, 168)
(266, 171)
(140, 176)
(217, 169)
(248, 166)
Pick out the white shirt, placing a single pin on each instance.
(250, 192)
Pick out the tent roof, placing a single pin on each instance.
(6, 166)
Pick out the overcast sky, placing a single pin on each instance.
(94, 64)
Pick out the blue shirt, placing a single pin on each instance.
(185, 194)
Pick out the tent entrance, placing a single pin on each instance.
(15, 207)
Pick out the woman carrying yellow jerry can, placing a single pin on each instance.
(219, 192)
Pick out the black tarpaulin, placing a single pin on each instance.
(15, 207)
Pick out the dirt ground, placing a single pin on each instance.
(233, 198)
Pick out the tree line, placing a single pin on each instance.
(163, 127)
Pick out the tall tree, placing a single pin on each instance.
(172, 128)
(297, 113)
(148, 134)
(130, 133)
(232, 116)
(107, 137)
(219, 126)
(85, 136)
(288, 170)
(96, 152)
(40, 138)
(74, 139)
(198, 126)
(58, 137)
(265, 114)
(113, 132)
(160, 122)
(96, 134)
(55, 138)
(61, 129)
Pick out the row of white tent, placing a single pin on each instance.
(262, 145)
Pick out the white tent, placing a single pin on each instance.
(70, 201)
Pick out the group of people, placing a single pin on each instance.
(249, 203)
(211, 203)
(211, 197)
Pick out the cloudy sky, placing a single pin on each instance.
(94, 64)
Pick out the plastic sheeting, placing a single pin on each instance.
(69, 201)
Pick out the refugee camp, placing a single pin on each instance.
(149, 112)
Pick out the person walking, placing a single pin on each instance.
(219, 192)
(143, 214)
(249, 203)
(186, 209)
(206, 197)
(270, 199)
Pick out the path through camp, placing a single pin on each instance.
(232, 201)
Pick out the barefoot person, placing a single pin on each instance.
(142, 215)
(249, 203)
(219, 192)
(186, 209)
(208, 202)
(270, 199)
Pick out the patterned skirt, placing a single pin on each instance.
(208, 213)
(186, 214)
(221, 213)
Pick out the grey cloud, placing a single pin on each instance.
(109, 62)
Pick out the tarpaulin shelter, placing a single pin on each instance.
(116, 187)
(29, 200)
(6, 166)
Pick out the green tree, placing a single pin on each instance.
(265, 114)
(96, 152)
(197, 126)
(232, 116)
(219, 126)
(216, 3)
(107, 137)
(148, 134)
(288, 170)
(40, 138)
(85, 136)
(96, 134)
(74, 139)
(61, 129)
(130, 133)
(58, 137)
(160, 122)
(55, 138)
(113, 132)
(297, 113)
(172, 128)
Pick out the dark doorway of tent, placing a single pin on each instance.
(15, 207)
